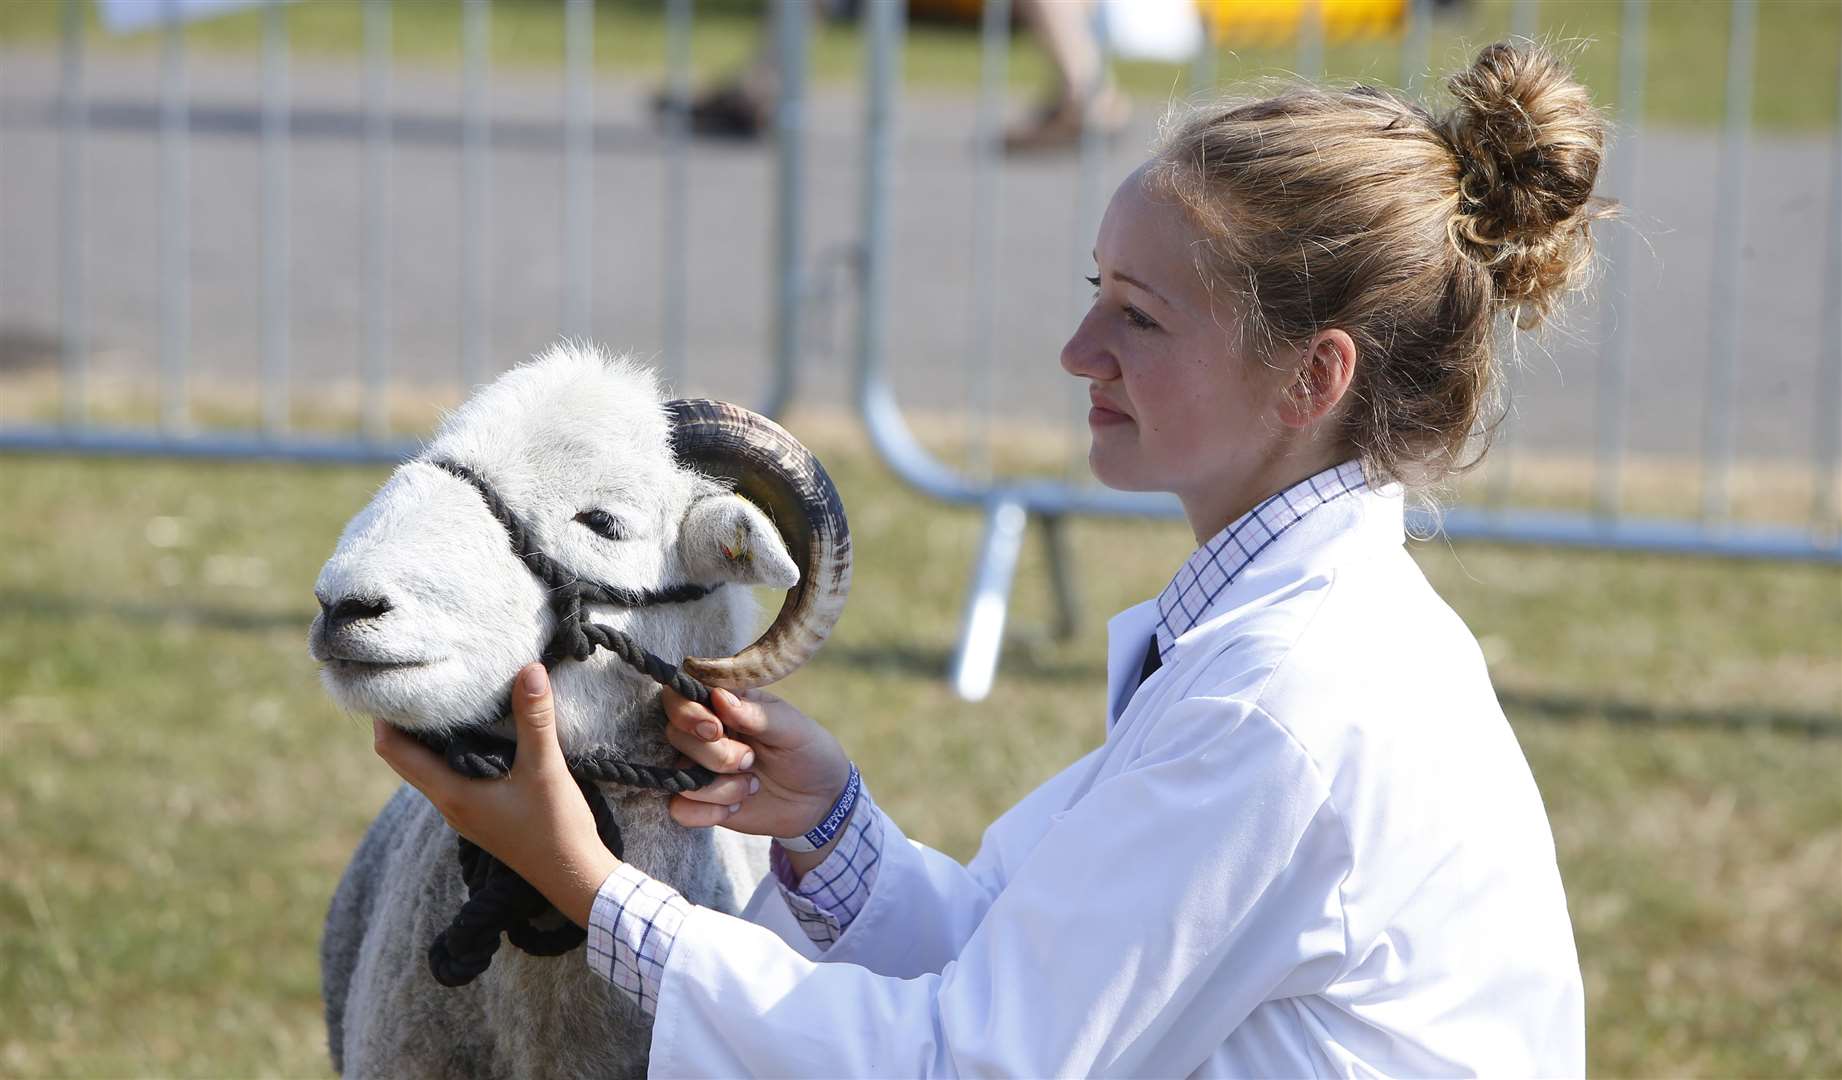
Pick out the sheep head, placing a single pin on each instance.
(427, 612)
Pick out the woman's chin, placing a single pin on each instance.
(1108, 467)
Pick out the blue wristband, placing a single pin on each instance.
(827, 828)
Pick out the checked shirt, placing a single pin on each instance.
(1213, 567)
(636, 918)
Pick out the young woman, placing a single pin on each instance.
(1309, 842)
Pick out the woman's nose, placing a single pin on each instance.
(1086, 357)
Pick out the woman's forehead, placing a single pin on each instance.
(1147, 236)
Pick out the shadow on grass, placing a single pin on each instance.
(62, 606)
(1573, 709)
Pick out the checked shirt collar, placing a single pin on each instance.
(1213, 567)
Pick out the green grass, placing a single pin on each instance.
(178, 797)
(1796, 59)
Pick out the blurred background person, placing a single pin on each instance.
(1084, 92)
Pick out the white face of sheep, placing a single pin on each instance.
(426, 612)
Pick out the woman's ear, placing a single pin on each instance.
(1325, 372)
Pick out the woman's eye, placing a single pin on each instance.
(1137, 318)
(602, 523)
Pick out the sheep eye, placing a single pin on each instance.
(602, 523)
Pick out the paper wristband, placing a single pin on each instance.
(827, 828)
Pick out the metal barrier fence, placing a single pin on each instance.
(1008, 504)
(481, 138)
(279, 127)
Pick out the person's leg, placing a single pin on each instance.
(739, 104)
(1085, 93)
(1066, 30)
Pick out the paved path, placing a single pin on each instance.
(730, 247)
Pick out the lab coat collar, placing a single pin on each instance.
(1127, 635)
(1345, 528)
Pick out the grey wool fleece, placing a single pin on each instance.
(527, 1016)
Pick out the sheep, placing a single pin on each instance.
(427, 615)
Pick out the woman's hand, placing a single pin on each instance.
(534, 819)
(788, 771)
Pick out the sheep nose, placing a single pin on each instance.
(351, 610)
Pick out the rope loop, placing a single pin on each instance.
(498, 900)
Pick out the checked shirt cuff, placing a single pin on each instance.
(832, 893)
(631, 928)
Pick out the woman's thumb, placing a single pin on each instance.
(535, 715)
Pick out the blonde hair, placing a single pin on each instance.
(1359, 210)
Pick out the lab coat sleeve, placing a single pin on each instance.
(1143, 925)
(924, 905)
(932, 900)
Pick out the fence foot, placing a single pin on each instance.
(1061, 575)
(981, 633)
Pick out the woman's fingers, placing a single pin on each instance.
(726, 790)
(747, 715)
(722, 755)
(689, 717)
(699, 815)
(750, 713)
(419, 766)
(535, 715)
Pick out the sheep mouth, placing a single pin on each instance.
(348, 668)
(343, 657)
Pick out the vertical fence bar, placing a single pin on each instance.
(476, 187)
(374, 407)
(1729, 277)
(1090, 155)
(73, 247)
(1311, 39)
(883, 64)
(1616, 314)
(1825, 512)
(981, 631)
(1523, 21)
(1524, 18)
(175, 223)
(987, 190)
(1413, 44)
(1501, 470)
(675, 230)
(792, 25)
(275, 223)
(1090, 158)
(578, 166)
(1203, 74)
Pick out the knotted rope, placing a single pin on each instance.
(498, 900)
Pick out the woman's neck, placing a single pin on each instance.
(1211, 511)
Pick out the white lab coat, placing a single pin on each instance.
(1309, 845)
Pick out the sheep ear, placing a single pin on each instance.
(726, 538)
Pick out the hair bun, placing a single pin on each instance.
(1529, 141)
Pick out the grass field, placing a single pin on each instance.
(1799, 47)
(178, 797)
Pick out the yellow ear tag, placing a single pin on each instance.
(739, 553)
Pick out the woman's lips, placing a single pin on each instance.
(1101, 415)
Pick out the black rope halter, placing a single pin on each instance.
(498, 900)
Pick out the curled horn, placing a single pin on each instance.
(772, 470)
